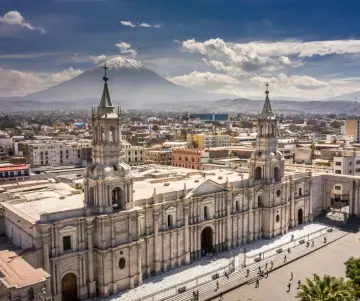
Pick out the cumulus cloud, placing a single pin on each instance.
(20, 83)
(207, 80)
(142, 24)
(126, 48)
(98, 59)
(15, 18)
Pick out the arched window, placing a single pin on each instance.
(258, 172)
(300, 191)
(112, 134)
(91, 197)
(277, 173)
(117, 198)
(170, 222)
(237, 207)
(277, 218)
(122, 263)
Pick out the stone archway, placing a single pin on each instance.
(300, 216)
(206, 241)
(69, 288)
(277, 174)
(117, 198)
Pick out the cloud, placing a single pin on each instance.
(126, 48)
(207, 80)
(142, 24)
(127, 23)
(15, 18)
(20, 83)
(98, 59)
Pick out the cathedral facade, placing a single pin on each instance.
(122, 234)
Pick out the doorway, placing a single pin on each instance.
(206, 241)
(69, 288)
(300, 217)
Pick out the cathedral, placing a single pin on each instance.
(125, 228)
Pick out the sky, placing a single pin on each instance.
(304, 49)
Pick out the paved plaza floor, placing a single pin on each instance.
(328, 260)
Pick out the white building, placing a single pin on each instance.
(56, 153)
(133, 155)
(347, 165)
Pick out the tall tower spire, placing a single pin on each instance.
(108, 182)
(267, 163)
(267, 110)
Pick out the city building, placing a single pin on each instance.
(347, 165)
(14, 172)
(188, 157)
(126, 227)
(133, 155)
(352, 128)
(207, 141)
(162, 157)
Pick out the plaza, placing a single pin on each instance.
(328, 260)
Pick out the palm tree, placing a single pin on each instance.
(328, 288)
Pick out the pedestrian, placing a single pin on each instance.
(289, 250)
(291, 276)
(259, 272)
(197, 295)
(289, 286)
(257, 283)
(265, 266)
(194, 295)
(285, 259)
(247, 272)
(217, 286)
(272, 264)
(299, 282)
(221, 296)
(266, 273)
(324, 240)
(292, 236)
(312, 243)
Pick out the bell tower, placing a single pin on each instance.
(266, 163)
(108, 182)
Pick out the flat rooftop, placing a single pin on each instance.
(16, 272)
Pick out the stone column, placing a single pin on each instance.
(228, 221)
(46, 257)
(238, 242)
(90, 263)
(186, 234)
(292, 205)
(139, 264)
(310, 216)
(356, 201)
(157, 251)
(250, 219)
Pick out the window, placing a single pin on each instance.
(358, 162)
(357, 170)
(300, 191)
(350, 163)
(278, 192)
(237, 206)
(206, 213)
(121, 263)
(277, 218)
(338, 163)
(170, 222)
(338, 172)
(31, 294)
(336, 187)
(67, 243)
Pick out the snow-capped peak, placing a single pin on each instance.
(121, 62)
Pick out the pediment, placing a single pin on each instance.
(67, 229)
(171, 209)
(260, 191)
(207, 200)
(239, 196)
(207, 187)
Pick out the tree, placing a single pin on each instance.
(327, 288)
(353, 273)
